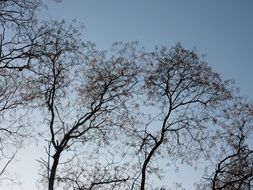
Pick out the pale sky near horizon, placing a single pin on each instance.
(221, 29)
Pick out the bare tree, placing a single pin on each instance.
(96, 107)
(183, 91)
(16, 19)
(19, 34)
(233, 168)
(46, 65)
(85, 93)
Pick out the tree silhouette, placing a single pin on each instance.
(109, 117)
(233, 168)
(184, 91)
(16, 19)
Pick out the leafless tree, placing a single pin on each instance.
(233, 168)
(85, 93)
(16, 19)
(109, 116)
(183, 91)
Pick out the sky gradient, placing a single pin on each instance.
(221, 30)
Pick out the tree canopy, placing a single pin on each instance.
(109, 117)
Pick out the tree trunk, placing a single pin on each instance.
(144, 167)
(56, 158)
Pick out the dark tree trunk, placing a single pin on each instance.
(56, 158)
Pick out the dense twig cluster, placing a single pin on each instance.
(109, 116)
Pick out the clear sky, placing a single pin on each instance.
(221, 29)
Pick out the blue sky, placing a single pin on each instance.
(221, 29)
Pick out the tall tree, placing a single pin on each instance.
(108, 116)
(183, 91)
(85, 93)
